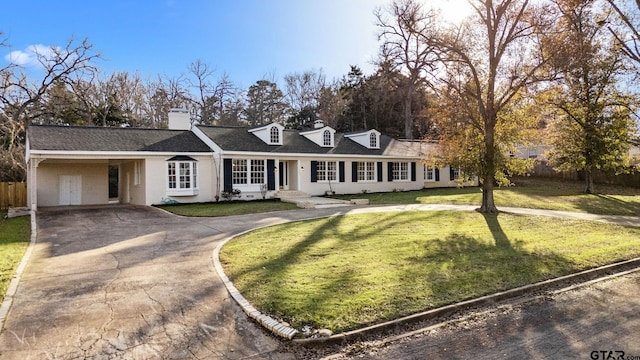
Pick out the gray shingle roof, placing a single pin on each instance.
(76, 138)
(239, 139)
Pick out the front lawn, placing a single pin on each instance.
(527, 193)
(14, 239)
(346, 272)
(228, 208)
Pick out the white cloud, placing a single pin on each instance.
(29, 57)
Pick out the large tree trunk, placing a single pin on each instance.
(489, 169)
(408, 118)
(488, 205)
(588, 181)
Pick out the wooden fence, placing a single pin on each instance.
(13, 194)
(542, 169)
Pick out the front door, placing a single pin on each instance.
(70, 190)
(283, 175)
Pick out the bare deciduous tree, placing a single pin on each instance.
(19, 96)
(303, 89)
(403, 27)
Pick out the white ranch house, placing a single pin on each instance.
(69, 165)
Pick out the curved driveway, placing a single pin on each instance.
(137, 283)
(133, 283)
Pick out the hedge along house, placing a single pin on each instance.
(96, 165)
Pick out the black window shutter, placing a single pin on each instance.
(390, 171)
(413, 171)
(354, 171)
(341, 171)
(437, 174)
(451, 174)
(228, 180)
(380, 171)
(271, 174)
(314, 171)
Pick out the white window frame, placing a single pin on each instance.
(257, 172)
(248, 174)
(239, 173)
(326, 138)
(457, 174)
(373, 140)
(400, 171)
(367, 171)
(274, 135)
(429, 174)
(327, 171)
(182, 177)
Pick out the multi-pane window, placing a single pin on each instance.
(456, 173)
(366, 171)
(373, 140)
(326, 138)
(327, 171)
(182, 175)
(400, 171)
(275, 135)
(257, 171)
(429, 174)
(171, 172)
(245, 171)
(239, 171)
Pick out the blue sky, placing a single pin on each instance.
(247, 39)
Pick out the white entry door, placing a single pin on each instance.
(70, 189)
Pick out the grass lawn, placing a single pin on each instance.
(228, 208)
(14, 239)
(345, 272)
(528, 193)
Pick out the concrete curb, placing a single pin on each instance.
(587, 275)
(13, 285)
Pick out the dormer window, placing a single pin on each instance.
(369, 139)
(275, 135)
(271, 134)
(323, 137)
(326, 138)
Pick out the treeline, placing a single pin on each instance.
(513, 73)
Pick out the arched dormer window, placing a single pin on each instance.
(275, 135)
(326, 138)
(373, 140)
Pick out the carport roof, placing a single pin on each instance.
(76, 138)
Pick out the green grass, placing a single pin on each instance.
(228, 208)
(346, 272)
(14, 239)
(528, 193)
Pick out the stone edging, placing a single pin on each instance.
(13, 285)
(268, 322)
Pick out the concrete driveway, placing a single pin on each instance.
(137, 283)
(133, 283)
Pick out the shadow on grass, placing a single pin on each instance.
(460, 267)
(608, 204)
(440, 271)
